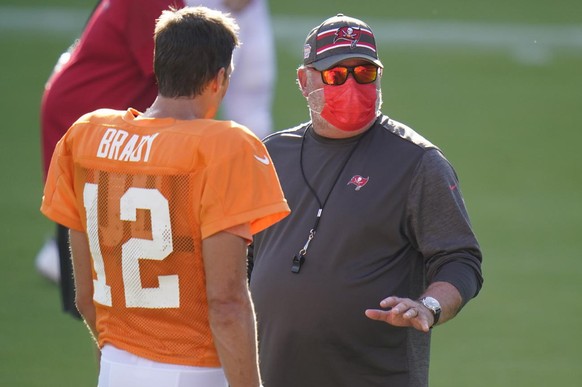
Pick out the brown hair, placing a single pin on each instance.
(191, 45)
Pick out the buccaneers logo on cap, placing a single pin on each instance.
(351, 34)
(359, 181)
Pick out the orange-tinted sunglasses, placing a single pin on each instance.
(338, 75)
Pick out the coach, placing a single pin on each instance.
(378, 248)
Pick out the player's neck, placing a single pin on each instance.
(180, 108)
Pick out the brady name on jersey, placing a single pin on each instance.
(135, 148)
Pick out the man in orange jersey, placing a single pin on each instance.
(111, 66)
(161, 206)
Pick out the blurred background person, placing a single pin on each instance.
(249, 98)
(110, 66)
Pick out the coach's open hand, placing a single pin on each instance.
(403, 312)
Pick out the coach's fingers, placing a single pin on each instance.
(414, 312)
(411, 313)
(402, 312)
(377, 314)
(390, 302)
(399, 305)
(412, 318)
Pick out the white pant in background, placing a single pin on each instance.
(123, 369)
(250, 94)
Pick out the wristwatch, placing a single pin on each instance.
(434, 306)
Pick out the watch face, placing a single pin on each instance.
(431, 303)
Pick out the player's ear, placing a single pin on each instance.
(302, 80)
(226, 73)
(220, 79)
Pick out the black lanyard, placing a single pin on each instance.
(300, 257)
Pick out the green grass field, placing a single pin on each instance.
(507, 116)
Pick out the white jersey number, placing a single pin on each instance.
(167, 294)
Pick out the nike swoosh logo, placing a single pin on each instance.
(264, 159)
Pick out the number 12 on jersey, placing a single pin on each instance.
(167, 294)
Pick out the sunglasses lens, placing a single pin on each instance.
(337, 76)
(334, 76)
(365, 74)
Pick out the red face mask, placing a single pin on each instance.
(350, 106)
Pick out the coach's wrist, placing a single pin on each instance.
(434, 307)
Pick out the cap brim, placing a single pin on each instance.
(328, 62)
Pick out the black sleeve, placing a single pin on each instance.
(439, 226)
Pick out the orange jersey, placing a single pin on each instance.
(147, 191)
